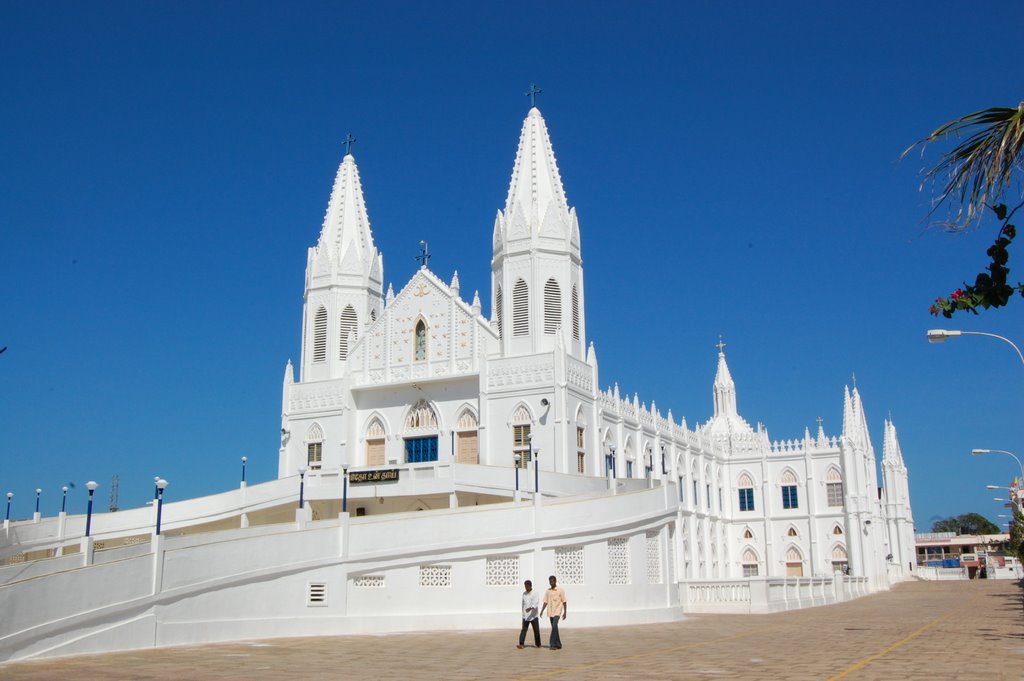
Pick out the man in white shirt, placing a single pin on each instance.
(531, 601)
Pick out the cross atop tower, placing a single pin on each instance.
(820, 421)
(720, 345)
(532, 94)
(424, 256)
(349, 139)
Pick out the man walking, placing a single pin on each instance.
(556, 605)
(530, 618)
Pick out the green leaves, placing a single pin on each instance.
(980, 169)
(990, 288)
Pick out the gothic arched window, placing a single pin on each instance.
(419, 340)
(320, 335)
(552, 306)
(348, 331)
(520, 309)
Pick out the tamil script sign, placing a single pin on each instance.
(383, 475)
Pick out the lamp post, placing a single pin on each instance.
(161, 485)
(979, 452)
(244, 460)
(10, 495)
(344, 487)
(64, 500)
(156, 487)
(942, 335)
(91, 486)
(302, 485)
(519, 459)
(39, 493)
(536, 471)
(664, 469)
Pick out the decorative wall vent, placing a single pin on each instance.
(316, 594)
(654, 558)
(368, 582)
(618, 560)
(502, 571)
(438, 576)
(569, 564)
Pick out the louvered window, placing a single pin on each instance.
(520, 309)
(552, 307)
(320, 335)
(499, 312)
(349, 332)
(575, 312)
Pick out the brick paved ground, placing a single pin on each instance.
(918, 631)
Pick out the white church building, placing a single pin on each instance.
(427, 448)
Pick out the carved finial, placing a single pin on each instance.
(348, 141)
(854, 376)
(390, 294)
(532, 94)
(820, 421)
(720, 345)
(454, 286)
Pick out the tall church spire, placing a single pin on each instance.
(725, 388)
(537, 272)
(344, 278)
(536, 185)
(346, 228)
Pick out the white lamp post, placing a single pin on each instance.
(91, 486)
(942, 335)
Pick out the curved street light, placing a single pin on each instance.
(979, 452)
(942, 335)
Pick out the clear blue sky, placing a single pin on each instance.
(164, 167)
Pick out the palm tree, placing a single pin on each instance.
(981, 168)
(979, 172)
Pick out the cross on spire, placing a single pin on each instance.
(349, 139)
(532, 94)
(424, 256)
(820, 421)
(721, 346)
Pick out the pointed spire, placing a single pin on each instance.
(891, 454)
(725, 388)
(390, 295)
(289, 373)
(822, 439)
(346, 231)
(536, 184)
(454, 286)
(476, 302)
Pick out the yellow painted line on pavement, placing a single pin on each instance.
(903, 641)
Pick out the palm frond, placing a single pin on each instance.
(981, 168)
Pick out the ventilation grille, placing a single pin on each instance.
(552, 307)
(349, 332)
(575, 313)
(520, 309)
(500, 310)
(320, 335)
(316, 594)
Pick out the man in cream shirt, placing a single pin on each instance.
(556, 605)
(530, 603)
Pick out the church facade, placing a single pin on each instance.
(391, 379)
(427, 450)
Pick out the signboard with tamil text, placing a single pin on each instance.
(382, 475)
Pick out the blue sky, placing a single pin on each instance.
(164, 167)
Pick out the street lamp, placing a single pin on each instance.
(664, 469)
(156, 487)
(942, 335)
(10, 495)
(244, 459)
(161, 485)
(519, 459)
(344, 487)
(91, 486)
(302, 485)
(979, 452)
(38, 493)
(64, 501)
(536, 470)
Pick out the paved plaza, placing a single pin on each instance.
(920, 630)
